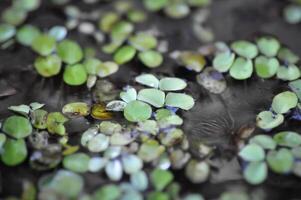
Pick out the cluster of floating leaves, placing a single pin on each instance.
(292, 12)
(280, 154)
(174, 9)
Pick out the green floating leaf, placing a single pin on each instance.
(139, 180)
(64, 183)
(17, 127)
(223, 61)
(268, 46)
(69, 51)
(155, 5)
(266, 67)
(121, 31)
(92, 66)
(197, 172)
(245, 49)
(265, 141)
(58, 32)
(26, 34)
(241, 69)
(192, 60)
(286, 55)
(78, 162)
(55, 123)
(98, 143)
(172, 84)
(124, 54)
(136, 16)
(179, 100)
(131, 163)
(36, 105)
(108, 192)
(76, 109)
(296, 151)
(14, 15)
(48, 66)
(292, 14)
(129, 95)
(288, 139)
(114, 170)
(252, 153)
(2, 140)
(39, 118)
(154, 97)
(256, 173)
(137, 111)
(43, 44)
(295, 86)
(157, 196)
(177, 10)
(280, 161)
(267, 120)
(107, 68)
(14, 152)
(116, 106)
(6, 32)
(28, 5)
(29, 191)
(21, 109)
(148, 80)
(143, 41)
(284, 101)
(107, 21)
(288, 73)
(160, 178)
(75, 75)
(151, 58)
(150, 150)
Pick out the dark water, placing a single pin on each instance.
(215, 119)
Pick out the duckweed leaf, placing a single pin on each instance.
(2, 140)
(43, 44)
(295, 86)
(268, 46)
(26, 34)
(150, 150)
(36, 105)
(58, 32)
(197, 172)
(129, 95)
(284, 101)
(252, 153)
(288, 139)
(245, 49)
(151, 58)
(160, 178)
(109, 128)
(265, 141)
(107, 68)
(139, 180)
(292, 14)
(192, 61)
(223, 61)
(98, 143)
(136, 16)
(148, 126)
(114, 170)
(69, 51)
(288, 73)
(267, 120)
(155, 5)
(179, 100)
(107, 21)
(121, 30)
(241, 69)
(280, 161)
(266, 67)
(177, 10)
(148, 80)
(6, 32)
(99, 112)
(14, 152)
(116, 106)
(296, 151)
(21, 109)
(172, 84)
(136, 111)
(108, 192)
(154, 97)
(92, 66)
(55, 123)
(78, 162)
(48, 66)
(131, 164)
(124, 54)
(39, 118)
(88, 135)
(75, 75)
(27, 5)
(76, 109)
(286, 55)
(17, 127)
(143, 41)
(14, 15)
(96, 164)
(256, 172)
